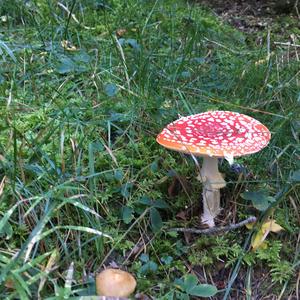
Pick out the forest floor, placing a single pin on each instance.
(254, 16)
(85, 87)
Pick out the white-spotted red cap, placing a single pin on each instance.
(216, 134)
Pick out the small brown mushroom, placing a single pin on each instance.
(115, 283)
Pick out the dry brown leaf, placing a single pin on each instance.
(120, 32)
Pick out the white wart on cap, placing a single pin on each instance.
(215, 134)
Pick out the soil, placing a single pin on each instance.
(256, 15)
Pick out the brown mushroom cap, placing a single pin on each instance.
(115, 283)
(215, 134)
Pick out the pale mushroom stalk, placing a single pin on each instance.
(212, 183)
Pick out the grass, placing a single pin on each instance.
(83, 181)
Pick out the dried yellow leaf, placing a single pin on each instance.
(271, 225)
(250, 225)
(261, 235)
(258, 240)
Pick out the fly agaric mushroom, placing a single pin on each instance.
(115, 283)
(213, 135)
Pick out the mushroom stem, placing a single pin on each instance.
(213, 182)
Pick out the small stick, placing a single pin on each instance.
(72, 15)
(296, 8)
(287, 44)
(214, 230)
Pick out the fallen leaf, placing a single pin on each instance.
(250, 225)
(258, 240)
(271, 226)
(67, 45)
(182, 215)
(120, 32)
(9, 284)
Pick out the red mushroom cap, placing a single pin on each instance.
(216, 134)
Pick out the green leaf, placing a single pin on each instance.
(111, 89)
(145, 200)
(156, 221)
(154, 165)
(66, 66)
(167, 259)
(133, 43)
(118, 175)
(296, 176)
(126, 189)
(199, 60)
(82, 57)
(179, 284)
(144, 257)
(186, 74)
(127, 214)
(154, 203)
(190, 282)
(260, 199)
(203, 290)
(150, 266)
(160, 204)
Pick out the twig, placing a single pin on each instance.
(268, 45)
(214, 230)
(287, 44)
(138, 247)
(72, 16)
(296, 8)
(222, 46)
(294, 39)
